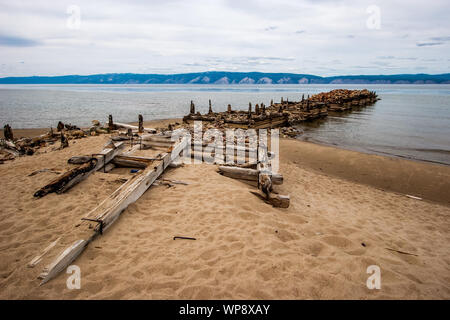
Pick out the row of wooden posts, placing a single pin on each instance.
(258, 109)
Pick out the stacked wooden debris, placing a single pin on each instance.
(343, 99)
(259, 118)
(285, 112)
(10, 148)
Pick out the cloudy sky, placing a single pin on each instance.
(170, 36)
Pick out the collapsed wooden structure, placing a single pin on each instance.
(10, 148)
(151, 168)
(286, 112)
(109, 209)
(257, 173)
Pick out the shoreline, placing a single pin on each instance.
(369, 152)
(425, 179)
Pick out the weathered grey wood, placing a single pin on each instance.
(153, 144)
(127, 163)
(63, 260)
(154, 137)
(132, 190)
(247, 174)
(104, 157)
(109, 167)
(224, 147)
(38, 258)
(129, 126)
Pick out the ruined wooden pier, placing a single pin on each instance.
(284, 113)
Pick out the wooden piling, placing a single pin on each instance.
(110, 122)
(141, 123)
(7, 132)
(60, 126)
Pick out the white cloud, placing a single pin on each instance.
(317, 37)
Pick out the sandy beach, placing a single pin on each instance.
(348, 211)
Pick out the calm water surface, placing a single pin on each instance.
(411, 121)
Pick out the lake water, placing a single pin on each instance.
(411, 121)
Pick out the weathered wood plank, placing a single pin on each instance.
(129, 126)
(151, 144)
(247, 174)
(39, 257)
(63, 260)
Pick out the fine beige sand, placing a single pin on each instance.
(347, 210)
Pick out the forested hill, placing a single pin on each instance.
(218, 77)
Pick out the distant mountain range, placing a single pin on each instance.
(219, 77)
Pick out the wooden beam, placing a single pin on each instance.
(132, 162)
(103, 158)
(38, 258)
(68, 179)
(110, 209)
(156, 137)
(158, 144)
(247, 174)
(63, 260)
(129, 126)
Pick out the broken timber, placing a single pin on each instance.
(136, 128)
(70, 178)
(247, 174)
(110, 209)
(261, 178)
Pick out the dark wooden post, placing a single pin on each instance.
(7, 132)
(303, 97)
(210, 107)
(257, 109)
(271, 102)
(282, 100)
(249, 108)
(229, 108)
(110, 122)
(141, 123)
(60, 126)
(192, 108)
(64, 141)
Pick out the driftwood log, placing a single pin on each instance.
(58, 184)
(75, 175)
(247, 174)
